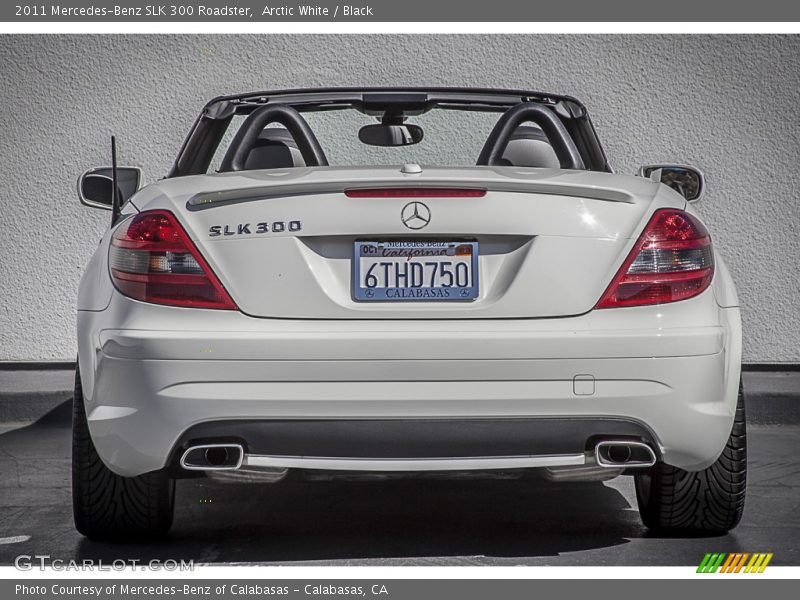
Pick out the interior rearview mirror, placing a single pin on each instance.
(390, 135)
(95, 186)
(687, 181)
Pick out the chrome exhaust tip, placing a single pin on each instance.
(213, 457)
(615, 454)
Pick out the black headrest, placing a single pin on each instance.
(275, 148)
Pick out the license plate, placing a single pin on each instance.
(422, 271)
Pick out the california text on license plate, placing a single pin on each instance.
(398, 271)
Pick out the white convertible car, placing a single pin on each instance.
(399, 281)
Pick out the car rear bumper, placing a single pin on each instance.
(412, 444)
(513, 388)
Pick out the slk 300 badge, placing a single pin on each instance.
(257, 228)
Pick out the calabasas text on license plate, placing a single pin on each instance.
(400, 271)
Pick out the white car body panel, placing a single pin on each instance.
(570, 243)
(301, 348)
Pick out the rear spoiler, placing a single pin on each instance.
(212, 199)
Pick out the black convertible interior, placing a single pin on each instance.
(511, 143)
(275, 148)
(530, 130)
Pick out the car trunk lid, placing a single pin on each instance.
(282, 242)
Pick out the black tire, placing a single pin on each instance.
(107, 506)
(708, 501)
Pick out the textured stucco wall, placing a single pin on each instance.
(726, 104)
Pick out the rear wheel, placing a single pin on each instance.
(107, 506)
(707, 501)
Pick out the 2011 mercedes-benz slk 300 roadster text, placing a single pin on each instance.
(400, 281)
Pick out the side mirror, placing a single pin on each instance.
(95, 188)
(390, 135)
(687, 181)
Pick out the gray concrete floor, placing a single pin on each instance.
(414, 522)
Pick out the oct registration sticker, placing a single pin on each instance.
(406, 271)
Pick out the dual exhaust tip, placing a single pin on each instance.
(213, 457)
(611, 454)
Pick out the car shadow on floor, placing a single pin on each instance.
(377, 520)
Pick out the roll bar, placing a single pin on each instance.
(248, 133)
(558, 136)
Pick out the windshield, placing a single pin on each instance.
(451, 138)
(345, 127)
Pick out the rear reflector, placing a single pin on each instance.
(415, 193)
(672, 260)
(153, 260)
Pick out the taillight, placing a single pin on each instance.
(153, 260)
(411, 192)
(672, 260)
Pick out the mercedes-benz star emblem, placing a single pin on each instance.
(415, 215)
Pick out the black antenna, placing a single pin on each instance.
(115, 187)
